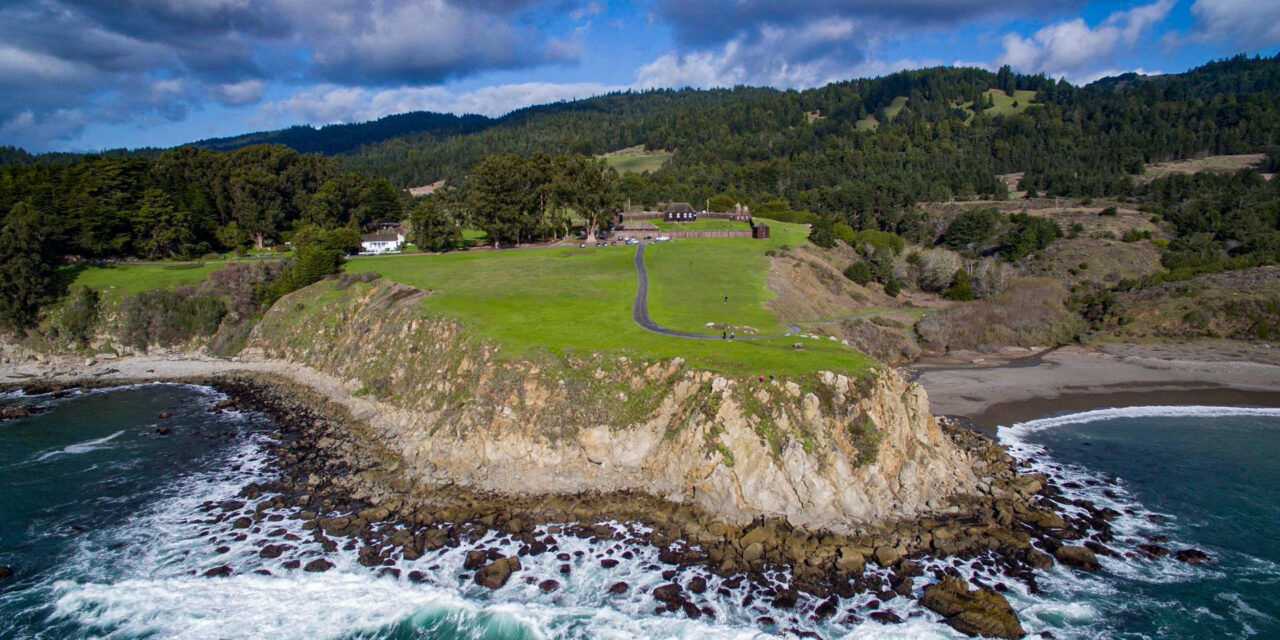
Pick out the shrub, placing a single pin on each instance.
(1109, 212)
(166, 318)
(937, 267)
(892, 288)
(1134, 235)
(1027, 235)
(969, 229)
(878, 241)
(859, 272)
(78, 316)
(822, 233)
(1031, 312)
(959, 289)
(845, 233)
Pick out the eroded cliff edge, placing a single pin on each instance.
(825, 451)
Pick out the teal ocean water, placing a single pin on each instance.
(109, 528)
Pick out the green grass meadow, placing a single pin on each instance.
(572, 300)
(637, 162)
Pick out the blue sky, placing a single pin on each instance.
(92, 74)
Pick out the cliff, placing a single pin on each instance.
(825, 451)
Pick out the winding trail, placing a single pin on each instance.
(640, 310)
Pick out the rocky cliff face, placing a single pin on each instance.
(825, 451)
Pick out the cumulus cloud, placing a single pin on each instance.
(1078, 52)
(140, 59)
(717, 21)
(1248, 23)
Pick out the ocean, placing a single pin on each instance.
(111, 530)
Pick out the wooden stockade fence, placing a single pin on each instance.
(658, 215)
(701, 233)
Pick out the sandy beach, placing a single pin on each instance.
(1002, 391)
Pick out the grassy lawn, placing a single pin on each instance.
(637, 162)
(703, 225)
(1004, 102)
(118, 281)
(475, 237)
(576, 300)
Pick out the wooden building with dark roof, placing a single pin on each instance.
(680, 212)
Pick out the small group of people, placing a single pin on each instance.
(770, 378)
(727, 335)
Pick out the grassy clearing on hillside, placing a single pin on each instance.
(566, 300)
(1004, 102)
(703, 225)
(870, 123)
(636, 160)
(118, 281)
(1211, 164)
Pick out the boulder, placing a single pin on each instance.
(698, 585)
(6, 572)
(547, 586)
(474, 560)
(668, 593)
(619, 588)
(1078, 557)
(318, 565)
(1192, 556)
(218, 572)
(495, 574)
(983, 612)
(850, 561)
(752, 552)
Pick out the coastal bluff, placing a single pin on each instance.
(825, 451)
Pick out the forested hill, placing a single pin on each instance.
(867, 148)
(338, 138)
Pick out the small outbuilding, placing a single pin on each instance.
(759, 230)
(680, 212)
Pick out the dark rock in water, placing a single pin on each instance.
(786, 599)
(475, 560)
(691, 610)
(163, 431)
(698, 585)
(243, 522)
(1039, 559)
(418, 576)
(547, 586)
(1153, 550)
(886, 617)
(1078, 557)
(608, 563)
(565, 569)
(981, 612)
(495, 574)
(1100, 549)
(164, 415)
(15, 411)
(826, 609)
(369, 556)
(668, 593)
(222, 549)
(1192, 556)
(218, 572)
(390, 571)
(619, 588)
(6, 572)
(292, 564)
(318, 565)
(273, 550)
(766, 621)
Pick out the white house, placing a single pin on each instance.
(384, 241)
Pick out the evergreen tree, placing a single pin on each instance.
(435, 227)
(26, 274)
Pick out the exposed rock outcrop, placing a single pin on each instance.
(824, 451)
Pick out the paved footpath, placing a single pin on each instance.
(640, 310)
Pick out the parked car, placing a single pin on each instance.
(662, 238)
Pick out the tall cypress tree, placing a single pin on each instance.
(26, 274)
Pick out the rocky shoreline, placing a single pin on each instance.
(348, 491)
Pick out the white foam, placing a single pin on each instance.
(80, 447)
(1015, 433)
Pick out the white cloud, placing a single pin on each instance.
(1074, 50)
(1246, 23)
(813, 54)
(586, 11)
(238, 93)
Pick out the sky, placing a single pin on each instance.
(86, 75)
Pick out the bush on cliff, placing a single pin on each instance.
(1031, 312)
(168, 318)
